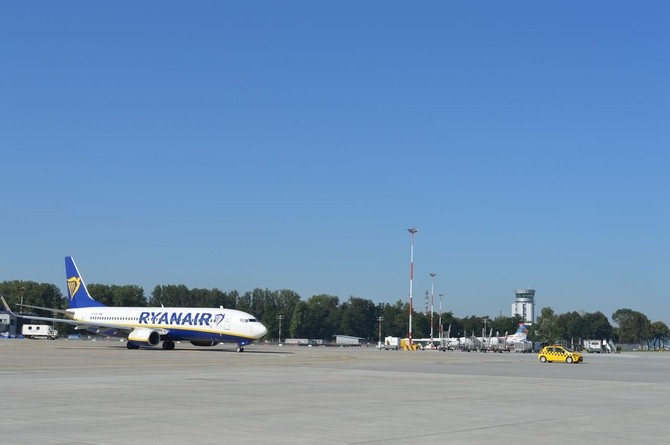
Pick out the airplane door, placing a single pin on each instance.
(226, 324)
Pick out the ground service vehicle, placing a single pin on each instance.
(392, 343)
(559, 354)
(593, 346)
(39, 331)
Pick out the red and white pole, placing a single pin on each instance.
(432, 302)
(411, 279)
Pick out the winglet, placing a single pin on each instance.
(4, 303)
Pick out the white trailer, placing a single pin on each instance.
(593, 346)
(392, 343)
(39, 331)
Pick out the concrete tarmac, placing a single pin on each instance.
(98, 392)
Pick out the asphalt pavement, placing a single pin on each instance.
(99, 392)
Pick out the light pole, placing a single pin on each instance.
(380, 319)
(411, 278)
(432, 301)
(23, 291)
(440, 320)
(280, 318)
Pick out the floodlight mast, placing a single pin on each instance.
(440, 321)
(432, 301)
(412, 231)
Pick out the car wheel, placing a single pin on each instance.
(543, 359)
(568, 360)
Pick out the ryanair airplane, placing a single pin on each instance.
(149, 326)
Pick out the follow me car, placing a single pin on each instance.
(559, 354)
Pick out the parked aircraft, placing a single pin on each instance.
(519, 336)
(516, 341)
(152, 325)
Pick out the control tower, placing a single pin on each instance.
(524, 305)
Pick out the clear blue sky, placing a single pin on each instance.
(289, 145)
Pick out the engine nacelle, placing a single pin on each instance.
(204, 343)
(143, 335)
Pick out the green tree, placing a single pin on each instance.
(244, 302)
(298, 325)
(287, 300)
(596, 326)
(102, 293)
(268, 305)
(170, 296)
(421, 328)
(323, 316)
(569, 327)
(127, 295)
(358, 318)
(396, 319)
(659, 335)
(505, 325)
(33, 294)
(633, 326)
(453, 326)
(545, 329)
(472, 326)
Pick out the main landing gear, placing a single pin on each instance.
(131, 345)
(168, 345)
(240, 349)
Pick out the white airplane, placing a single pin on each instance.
(491, 342)
(151, 325)
(518, 337)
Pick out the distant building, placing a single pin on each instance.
(7, 324)
(348, 340)
(524, 305)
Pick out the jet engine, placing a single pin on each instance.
(143, 335)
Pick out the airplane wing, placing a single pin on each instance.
(79, 323)
(57, 311)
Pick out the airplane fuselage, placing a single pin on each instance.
(192, 324)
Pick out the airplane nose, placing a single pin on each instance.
(262, 330)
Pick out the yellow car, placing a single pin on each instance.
(559, 354)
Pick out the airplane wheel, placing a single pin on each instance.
(543, 359)
(130, 345)
(168, 345)
(240, 349)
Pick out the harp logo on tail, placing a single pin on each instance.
(73, 285)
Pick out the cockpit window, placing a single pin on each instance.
(253, 320)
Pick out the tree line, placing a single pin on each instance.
(324, 316)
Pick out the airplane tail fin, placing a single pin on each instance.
(522, 330)
(78, 296)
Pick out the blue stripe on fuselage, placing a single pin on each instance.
(188, 335)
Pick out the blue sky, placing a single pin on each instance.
(289, 145)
